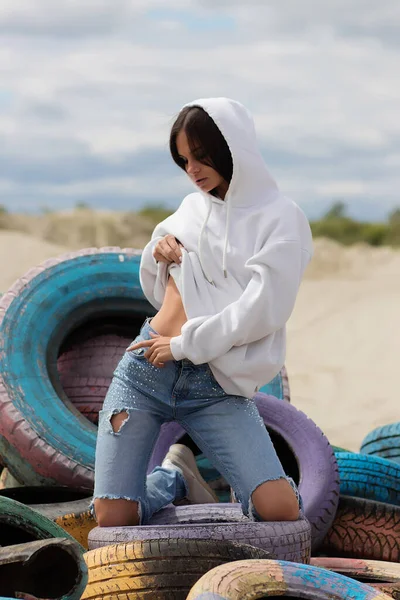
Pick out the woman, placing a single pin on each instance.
(223, 272)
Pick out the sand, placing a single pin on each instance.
(343, 336)
(344, 344)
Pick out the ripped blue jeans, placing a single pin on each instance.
(228, 430)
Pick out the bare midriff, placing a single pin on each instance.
(171, 316)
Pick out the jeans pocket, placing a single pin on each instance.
(138, 352)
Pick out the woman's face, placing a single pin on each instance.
(205, 177)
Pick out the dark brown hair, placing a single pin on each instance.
(202, 133)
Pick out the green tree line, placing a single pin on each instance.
(335, 224)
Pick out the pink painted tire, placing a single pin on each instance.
(86, 369)
(264, 578)
(43, 438)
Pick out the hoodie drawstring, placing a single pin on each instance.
(226, 240)
(203, 229)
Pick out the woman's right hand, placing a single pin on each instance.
(168, 250)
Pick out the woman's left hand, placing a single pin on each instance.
(159, 350)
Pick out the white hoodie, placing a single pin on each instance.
(243, 259)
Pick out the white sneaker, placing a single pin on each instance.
(181, 458)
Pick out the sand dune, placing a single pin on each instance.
(344, 344)
(343, 336)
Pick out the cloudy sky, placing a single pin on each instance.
(89, 90)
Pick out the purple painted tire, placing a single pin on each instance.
(304, 451)
(286, 540)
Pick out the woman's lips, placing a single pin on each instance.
(202, 180)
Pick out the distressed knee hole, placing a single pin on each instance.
(118, 421)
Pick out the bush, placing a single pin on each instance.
(336, 225)
(155, 213)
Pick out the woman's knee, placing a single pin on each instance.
(275, 500)
(116, 512)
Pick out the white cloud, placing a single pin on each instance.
(321, 81)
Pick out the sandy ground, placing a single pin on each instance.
(344, 344)
(343, 336)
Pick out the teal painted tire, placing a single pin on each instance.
(278, 387)
(37, 315)
(20, 524)
(369, 477)
(384, 442)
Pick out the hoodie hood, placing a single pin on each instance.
(251, 184)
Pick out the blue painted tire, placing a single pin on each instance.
(37, 315)
(279, 386)
(369, 477)
(261, 578)
(383, 441)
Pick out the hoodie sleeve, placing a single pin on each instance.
(153, 276)
(264, 307)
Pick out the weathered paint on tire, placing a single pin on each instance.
(78, 525)
(370, 477)
(383, 441)
(30, 524)
(289, 540)
(60, 500)
(154, 569)
(86, 369)
(60, 563)
(364, 529)
(381, 572)
(36, 314)
(248, 579)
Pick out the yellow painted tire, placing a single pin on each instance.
(157, 569)
(251, 579)
(78, 525)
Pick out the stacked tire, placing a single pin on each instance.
(64, 326)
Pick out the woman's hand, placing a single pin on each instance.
(159, 349)
(168, 250)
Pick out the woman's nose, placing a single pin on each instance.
(193, 167)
